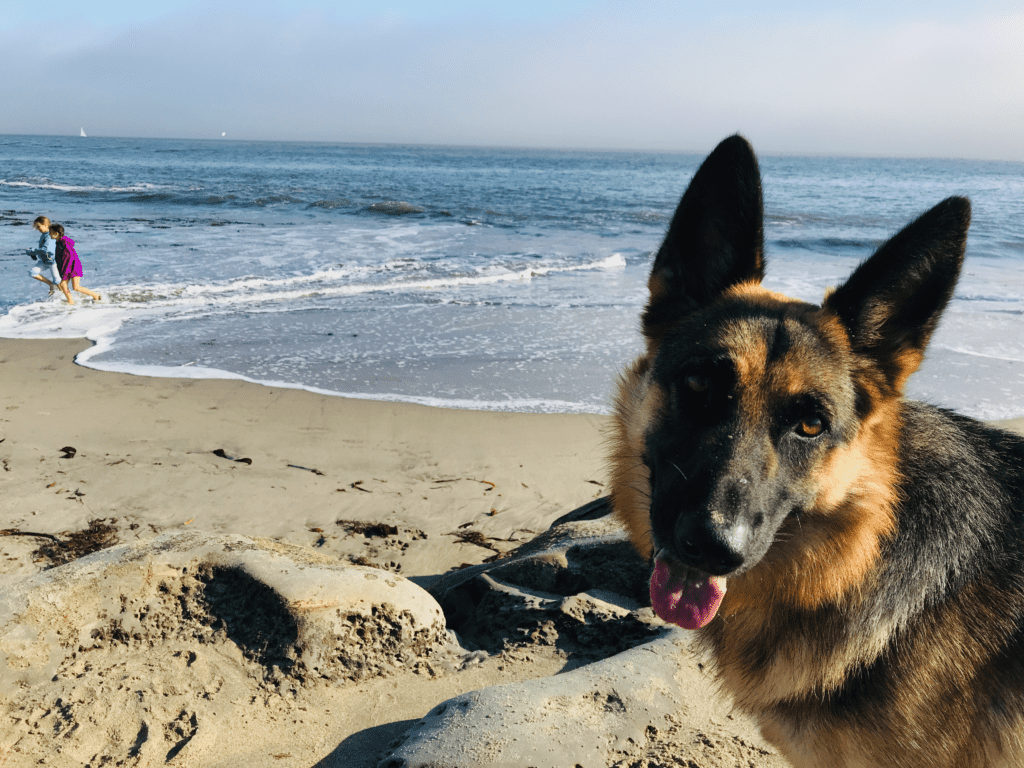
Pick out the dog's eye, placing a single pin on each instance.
(810, 426)
(698, 383)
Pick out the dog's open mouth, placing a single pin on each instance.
(683, 596)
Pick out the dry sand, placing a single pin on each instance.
(94, 459)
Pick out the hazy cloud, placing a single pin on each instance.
(672, 76)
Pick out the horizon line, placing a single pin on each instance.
(522, 147)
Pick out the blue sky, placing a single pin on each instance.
(902, 77)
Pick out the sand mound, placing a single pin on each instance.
(644, 708)
(138, 653)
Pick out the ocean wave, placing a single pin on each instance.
(262, 202)
(330, 205)
(73, 188)
(396, 277)
(152, 197)
(983, 352)
(1014, 298)
(395, 208)
(648, 217)
(145, 194)
(827, 244)
(793, 219)
(359, 280)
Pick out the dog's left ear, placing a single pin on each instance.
(715, 240)
(892, 302)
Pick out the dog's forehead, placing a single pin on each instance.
(776, 345)
(773, 342)
(781, 352)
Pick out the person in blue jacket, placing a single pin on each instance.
(45, 270)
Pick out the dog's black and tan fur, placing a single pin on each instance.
(873, 547)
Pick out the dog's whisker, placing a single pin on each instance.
(683, 474)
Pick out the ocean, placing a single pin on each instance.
(502, 279)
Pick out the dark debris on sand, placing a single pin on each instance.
(369, 530)
(100, 534)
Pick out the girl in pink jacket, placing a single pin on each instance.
(69, 265)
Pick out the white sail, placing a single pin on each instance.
(82, 131)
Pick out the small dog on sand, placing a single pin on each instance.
(854, 561)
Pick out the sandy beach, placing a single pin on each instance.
(145, 456)
(99, 460)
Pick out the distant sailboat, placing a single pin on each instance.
(82, 134)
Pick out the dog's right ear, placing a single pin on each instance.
(892, 302)
(715, 240)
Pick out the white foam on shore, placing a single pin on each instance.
(188, 371)
(55, 319)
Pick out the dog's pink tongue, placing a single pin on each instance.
(689, 601)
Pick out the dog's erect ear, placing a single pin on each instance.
(892, 302)
(715, 240)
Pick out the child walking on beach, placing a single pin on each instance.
(69, 264)
(46, 270)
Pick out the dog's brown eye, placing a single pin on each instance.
(811, 426)
(698, 383)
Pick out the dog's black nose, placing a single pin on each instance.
(709, 548)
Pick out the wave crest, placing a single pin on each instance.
(395, 208)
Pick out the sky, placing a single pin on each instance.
(903, 78)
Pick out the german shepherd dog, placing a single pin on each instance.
(854, 561)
